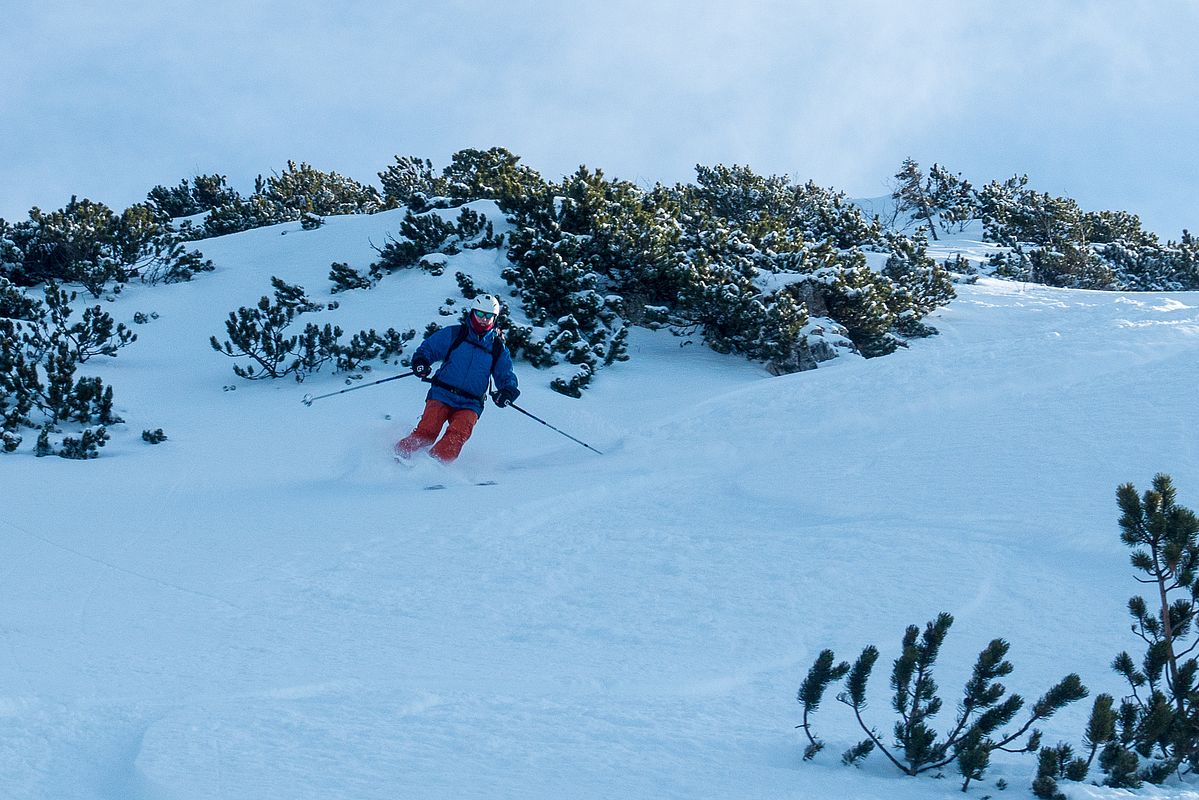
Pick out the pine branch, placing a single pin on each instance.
(1101, 727)
(1140, 633)
(874, 738)
(1189, 650)
(979, 692)
(1067, 690)
(855, 698)
(811, 693)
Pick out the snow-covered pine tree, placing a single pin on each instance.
(212, 191)
(243, 214)
(921, 284)
(88, 244)
(420, 235)
(855, 296)
(1104, 227)
(577, 246)
(1052, 241)
(720, 296)
(1149, 266)
(156, 436)
(913, 195)
(952, 197)
(1060, 763)
(492, 174)
(344, 278)
(823, 214)
(1012, 213)
(16, 305)
(258, 334)
(750, 226)
(12, 256)
(176, 201)
(755, 204)
(86, 445)
(1000, 208)
(300, 191)
(204, 193)
(369, 345)
(304, 189)
(39, 358)
(20, 383)
(774, 213)
(77, 244)
(1184, 261)
(476, 232)
(1071, 265)
(410, 182)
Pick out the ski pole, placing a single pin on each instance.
(308, 398)
(552, 428)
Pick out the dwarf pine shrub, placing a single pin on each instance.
(40, 355)
(87, 243)
(261, 335)
(1158, 730)
(981, 723)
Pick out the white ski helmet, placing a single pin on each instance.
(486, 303)
(483, 313)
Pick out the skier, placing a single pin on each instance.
(471, 353)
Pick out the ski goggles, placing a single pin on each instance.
(484, 316)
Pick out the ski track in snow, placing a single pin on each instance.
(267, 606)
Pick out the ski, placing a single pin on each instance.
(434, 486)
(411, 463)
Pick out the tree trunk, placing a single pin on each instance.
(1168, 637)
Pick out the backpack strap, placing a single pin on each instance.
(459, 338)
(497, 347)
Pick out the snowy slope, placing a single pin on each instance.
(265, 606)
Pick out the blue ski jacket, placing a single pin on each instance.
(467, 369)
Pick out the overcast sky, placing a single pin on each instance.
(1094, 100)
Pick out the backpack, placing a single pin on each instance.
(497, 345)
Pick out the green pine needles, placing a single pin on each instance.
(1159, 721)
(811, 692)
(260, 334)
(1153, 734)
(984, 713)
(753, 265)
(1150, 736)
(41, 350)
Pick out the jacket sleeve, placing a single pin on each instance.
(505, 376)
(437, 345)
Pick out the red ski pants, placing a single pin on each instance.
(462, 422)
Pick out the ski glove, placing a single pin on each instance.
(505, 396)
(420, 368)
